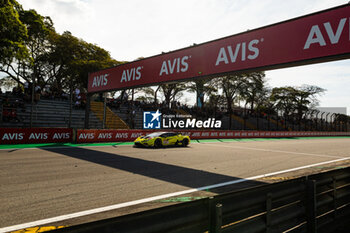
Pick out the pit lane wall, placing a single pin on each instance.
(64, 135)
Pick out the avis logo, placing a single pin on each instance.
(151, 120)
(251, 54)
(131, 74)
(100, 80)
(333, 33)
(176, 66)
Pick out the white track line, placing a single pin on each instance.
(131, 203)
(276, 151)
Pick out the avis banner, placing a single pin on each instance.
(322, 36)
(35, 135)
(87, 136)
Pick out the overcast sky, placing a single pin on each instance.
(130, 29)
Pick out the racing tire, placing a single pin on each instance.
(185, 142)
(158, 143)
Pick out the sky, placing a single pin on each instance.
(130, 29)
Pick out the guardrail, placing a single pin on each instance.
(318, 203)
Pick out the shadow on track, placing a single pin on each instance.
(188, 177)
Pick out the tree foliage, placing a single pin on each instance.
(201, 87)
(13, 32)
(172, 91)
(231, 87)
(32, 51)
(254, 89)
(295, 100)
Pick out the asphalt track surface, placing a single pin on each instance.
(46, 182)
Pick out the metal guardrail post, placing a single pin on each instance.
(74, 136)
(311, 206)
(268, 211)
(215, 218)
(335, 199)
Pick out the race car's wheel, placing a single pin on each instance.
(158, 143)
(185, 142)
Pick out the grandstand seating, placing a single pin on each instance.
(113, 121)
(248, 124)
(55, 113)
(181, 112)
(124, 113)
(52, 113)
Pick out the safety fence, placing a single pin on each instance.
(64, 135)
(317, 203)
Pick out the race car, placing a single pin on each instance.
(160, 139)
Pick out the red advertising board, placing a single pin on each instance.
(91, 135)
(88, 136)
(62, 135)
(318, 37)
(35, 135)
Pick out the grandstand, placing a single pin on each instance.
(15, 112)
(49, 113)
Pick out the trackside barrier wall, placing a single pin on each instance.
(84, 136)
(318, 203)
(35, 135)
(63, 135)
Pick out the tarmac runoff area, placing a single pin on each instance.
(64, 185)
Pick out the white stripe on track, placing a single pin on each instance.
(144, 200)
(277, 151)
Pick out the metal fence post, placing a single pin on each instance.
(215, 217)
(268, 211)
(87, 111)
(334, 199)
(311, 206)
(104, 111)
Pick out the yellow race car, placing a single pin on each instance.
(160, 139)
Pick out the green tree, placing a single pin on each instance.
(296, 100)
(91, 58)
(145, 94)
(8, 83)
(201, 87)
(284, 99)
(31, 66)
(231, 87)
(13, 32)
(306, 98)
(172, 91)
(41, 55)
(253, 88)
